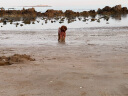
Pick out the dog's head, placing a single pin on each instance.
(63, 28)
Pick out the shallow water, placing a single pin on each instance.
(42, 23)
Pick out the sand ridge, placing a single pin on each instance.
(16, 58)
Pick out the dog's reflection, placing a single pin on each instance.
(62, 43)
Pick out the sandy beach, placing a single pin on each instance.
(92, 62)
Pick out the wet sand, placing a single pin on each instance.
(92, 62)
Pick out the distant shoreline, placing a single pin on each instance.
(38, 6)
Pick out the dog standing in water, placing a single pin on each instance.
(62, 33)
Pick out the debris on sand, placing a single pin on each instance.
(16, 58)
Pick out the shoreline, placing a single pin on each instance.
(107, 10)
(83, 28)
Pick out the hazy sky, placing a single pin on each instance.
(4, 3)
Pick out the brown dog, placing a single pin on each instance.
(62, 33)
